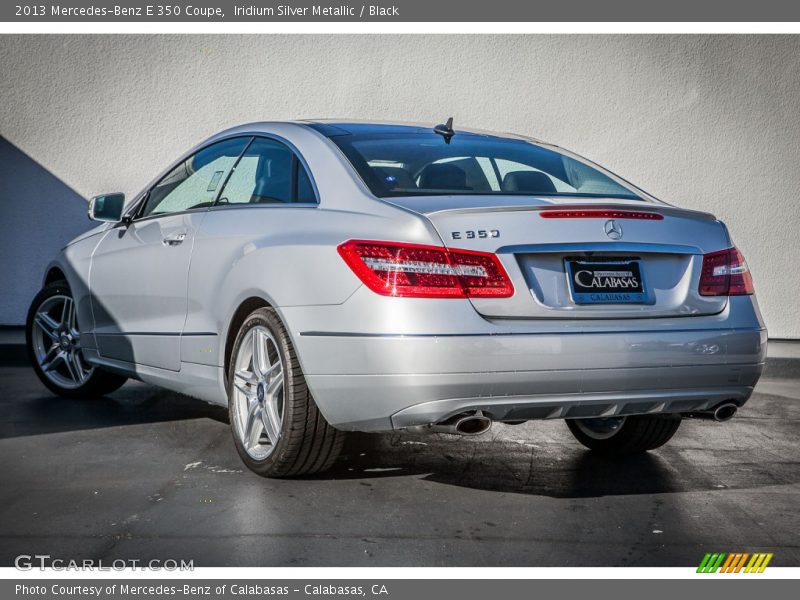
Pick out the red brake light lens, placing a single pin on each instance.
(725, 273)
(594, 213)
(414, 270)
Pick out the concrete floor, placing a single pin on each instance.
(150, 474)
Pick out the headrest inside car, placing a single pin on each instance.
(443, 177)
(529, 182)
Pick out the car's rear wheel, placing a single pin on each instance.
(276, 425)
(624, 435)
(54, 347)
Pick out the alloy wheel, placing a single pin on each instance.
(258, 393)
(56, 343)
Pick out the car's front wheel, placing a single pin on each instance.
(624, 435)
(277, 428)
(54, 347)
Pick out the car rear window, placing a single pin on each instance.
(424, 164)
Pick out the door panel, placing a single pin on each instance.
(138, 280)
(139, 272)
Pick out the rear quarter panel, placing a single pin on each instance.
(286, 255)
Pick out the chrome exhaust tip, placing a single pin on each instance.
(474, 425)
(463, 424)
(725, 412)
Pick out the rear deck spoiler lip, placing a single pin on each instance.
(638, 206)
(665, 210)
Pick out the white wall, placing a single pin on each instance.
(709, 122)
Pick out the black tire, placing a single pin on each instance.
(636, 435)
(307, 443)
(98, 383)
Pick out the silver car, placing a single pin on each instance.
(321, 277)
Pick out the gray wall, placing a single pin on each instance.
(39, 213)
(708, 122)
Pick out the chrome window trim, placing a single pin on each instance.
(164, 215)
(244, 205)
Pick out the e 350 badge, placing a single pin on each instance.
(473, 234)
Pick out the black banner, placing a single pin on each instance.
(402, 11)
(391, 589)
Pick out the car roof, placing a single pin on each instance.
(342, 127)
(338, 127)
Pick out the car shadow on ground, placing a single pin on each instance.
(559, 471)
(501, 466)
(132, 405)
(495, 463)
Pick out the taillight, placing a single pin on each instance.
(725, 273)
(413, 270)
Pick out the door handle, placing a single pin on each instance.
(174, 239)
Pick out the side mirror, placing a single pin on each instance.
(107, 208)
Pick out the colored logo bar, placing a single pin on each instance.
(736, 562)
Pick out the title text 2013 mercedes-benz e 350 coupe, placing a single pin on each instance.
(320, 277)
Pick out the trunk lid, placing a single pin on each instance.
(659, 244)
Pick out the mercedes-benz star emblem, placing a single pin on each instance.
(613, 229)
(260, 394)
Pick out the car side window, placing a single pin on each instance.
(268, 173)
(196, 181)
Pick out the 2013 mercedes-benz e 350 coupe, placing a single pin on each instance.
(318, 277)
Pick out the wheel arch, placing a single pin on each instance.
(53, 274)
(246, 307)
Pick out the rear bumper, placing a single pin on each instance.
(373, 381)
(383, 402)
(572, 406)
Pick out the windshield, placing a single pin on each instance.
(423, 164)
